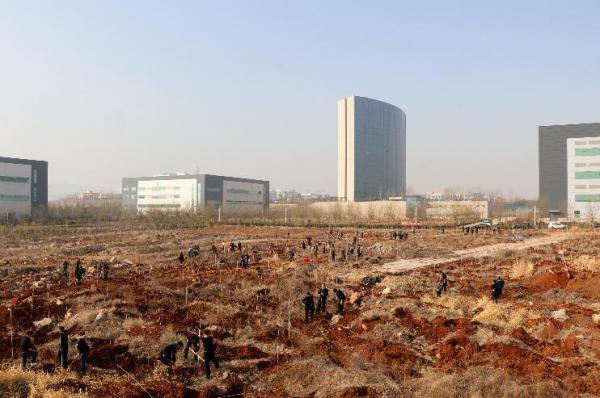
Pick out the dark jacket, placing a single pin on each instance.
(208, 344)
(169, 352)
(82, 347)
(340, 295)
(64, 339)
(26, 344)
(193, 339)
(308, 301)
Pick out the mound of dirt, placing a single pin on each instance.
(547, 280)
(585, 286)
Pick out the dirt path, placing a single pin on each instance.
(400, 266)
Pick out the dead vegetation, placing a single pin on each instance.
(396, 337)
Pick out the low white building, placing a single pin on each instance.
(186, 192)
(457, 210)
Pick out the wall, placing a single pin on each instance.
(449, 210)
(243, 197)
(553, 161)
(583, 178)
(370, 210)
(170, 194)
(15, 189)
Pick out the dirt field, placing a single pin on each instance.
(394, 339)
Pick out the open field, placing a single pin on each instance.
(395, 338)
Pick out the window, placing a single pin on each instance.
(580, 186)
(584, 175)
(576, 213)
(14, 179)
(587, 198)
(35, 198)
(14, 198)
(34, 178)
(587, 151)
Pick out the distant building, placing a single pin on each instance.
(569, 167)
(456, 210)
(371, 150)
(434, 196)
(23, 187)
(186, 192)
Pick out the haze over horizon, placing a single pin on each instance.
(123, 89)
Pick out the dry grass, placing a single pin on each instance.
(480, 382)
(502, 314)
(483, 310)
(587, 263)
(318, 377)
(522, 268)
(16, 383)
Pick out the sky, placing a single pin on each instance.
(110, 89)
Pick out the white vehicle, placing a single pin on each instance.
(557, 225)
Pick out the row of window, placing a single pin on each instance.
(243, 191)
(243, 202)
(159, 196)
(160, 188)
(14, 179)
(14, 198)
(587, 175)
(590, 186)
(587, 198)
(587, 151)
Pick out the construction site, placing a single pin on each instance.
(397, 336)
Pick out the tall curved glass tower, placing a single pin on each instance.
(371, 150)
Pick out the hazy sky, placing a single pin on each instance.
(107, 89)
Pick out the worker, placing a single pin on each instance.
(341, 298)
(333, 253)
(497, 287)
(181, 258)
(232, 247)
(28, 350)
(323, 293)
(239, 246)
(291, 255)
(309, 307)
(79, 271)
(213, 250)
(315, 249)
(444, 281)
(209, 353)
(245, 260)
(63, 346)
(439, 287)
(65, 270)
(83, 351)
(193, 341)
(308, 240)
(168, 356)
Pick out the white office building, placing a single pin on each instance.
(583, 178)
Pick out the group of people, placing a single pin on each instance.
(168, 355)
(322, 294)
(441, 286)
(78, 272)
(29, 352)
